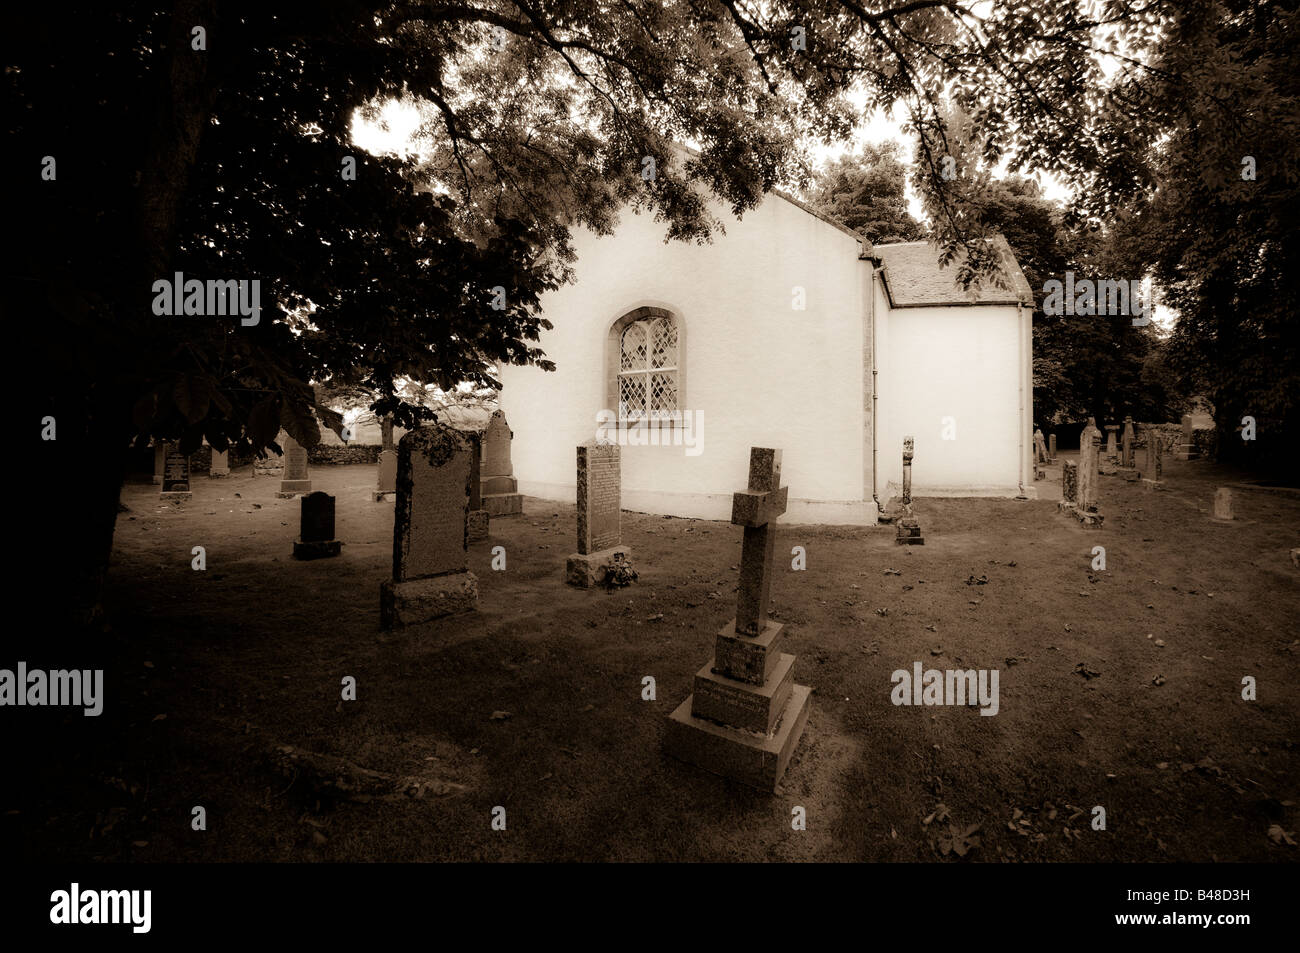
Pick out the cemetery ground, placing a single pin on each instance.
(1119, 688)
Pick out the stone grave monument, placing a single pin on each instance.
(219, 468)
(176, 475)
(430, 578)
(600, 515)
(1186, 448)
(159, 461)
(909, 528)
(1069, 487)
(746, 714)
(1089, 453)
(1128, 452)
(1223, 503)
(296, 478)
(499, 489)
(316, 535)
(1153, 468)
(387, 487)
(1051, 448)
(477, 519)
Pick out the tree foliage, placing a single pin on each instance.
(866, 191)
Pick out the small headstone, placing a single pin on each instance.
(387, 485)
(1153, 468)
(430, 578)
(176, 475)
(1069, 486)
(296, 479)
(1186, 449)
(499, 488)
(1040, 447)
(316, 535)
(1223, 503)
(1128, 459)
(600, 515)
(746, 715)
(159, 461)
(220, 465)
(1051, 447)
(1112, 450)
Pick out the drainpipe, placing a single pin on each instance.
(1022, 424)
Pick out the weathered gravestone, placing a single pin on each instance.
(477, 519)
(746, 714)
(159, 461)
(1154, 465)
(1112, 450)
(1223, 503)
(600, 516)
(1069, 487)
(387, 485)
(316, 534)
(1128, 452)
(908, 527)
(219, 468)
(1089, 453)
(176, 475)
(296, 479)
(1186, 449)
(1040, 446)
(499, 487)
(273, 463)
(1051, 447)
(429, 529)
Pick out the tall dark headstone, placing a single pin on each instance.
(746, 714)
(316, 535)
(430, 578)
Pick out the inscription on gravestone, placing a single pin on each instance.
(599, 514)
(176, 471)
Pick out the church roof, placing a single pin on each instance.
(913, 278)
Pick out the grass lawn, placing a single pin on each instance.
(212, 669)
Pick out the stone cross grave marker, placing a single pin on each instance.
(1112, 450)
(176, 475)
(430, 578)
(600, 515)
(908, 527)
(745, 715)
(316, 535)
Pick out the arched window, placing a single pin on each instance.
(649, 361)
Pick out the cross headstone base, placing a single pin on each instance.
(291, 488)
(752, 758)
(587, 570)
(421, 600)
(175, 496)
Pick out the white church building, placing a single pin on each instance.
(789, 331)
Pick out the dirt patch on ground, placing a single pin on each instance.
(1119, 688)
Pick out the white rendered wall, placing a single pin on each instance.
(958, 362)
(760, 372)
